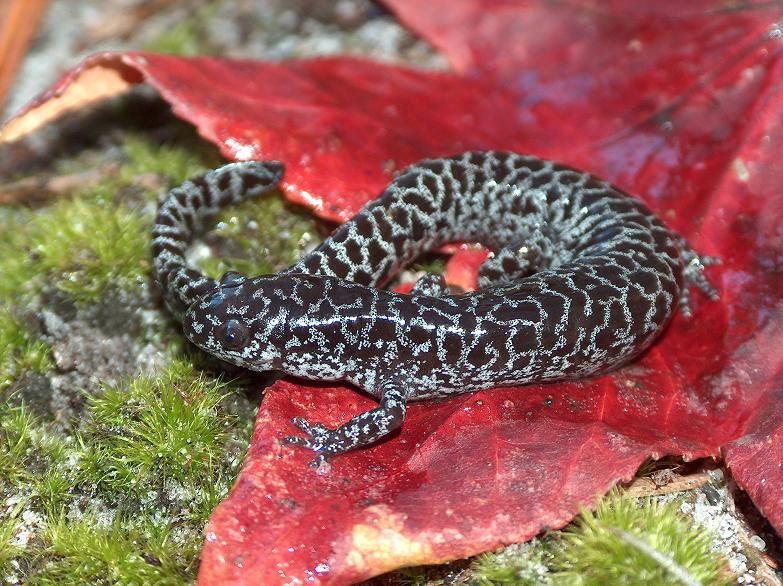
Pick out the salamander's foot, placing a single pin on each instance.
(362, 430)
(693, 273)
(432, 284)
(509, 264)
(318, 438)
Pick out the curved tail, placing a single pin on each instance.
(182, 215)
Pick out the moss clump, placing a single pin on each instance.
(15, 266)
(83, 246)
(87, 552)
(25, 447)
(432, 264)
(8, 550)
(516, 565)
(19, 351)
(127, 501)
(94, 241)
(187, 37)
(89, 245)
(156, 431)
(53, 488)
(250, 246)
(173, 162)
(625, 541)
(15, 441)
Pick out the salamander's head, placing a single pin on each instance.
(243, 322)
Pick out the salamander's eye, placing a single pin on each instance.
(233, 334)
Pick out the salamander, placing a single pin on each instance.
(581, 279)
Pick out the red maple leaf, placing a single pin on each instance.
(676, 102)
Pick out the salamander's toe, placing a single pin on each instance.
(317, 438)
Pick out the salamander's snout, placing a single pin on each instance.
(238, 322)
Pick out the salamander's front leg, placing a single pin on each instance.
(362, 430)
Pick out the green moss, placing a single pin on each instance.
(83, 246)
(175, 162)
(432, 264)
(92, 243)
(26, 446)
(15, 262)
(89, 244)
(87, 552)
(95, 241)
(156, 455)
(184, 39)
(259, 237)
(625, 541)
(157, 430)
(188, 36)
(8, 550)
(54, 487)
(517, 565)
(15, 441)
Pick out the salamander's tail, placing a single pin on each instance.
(182, 217)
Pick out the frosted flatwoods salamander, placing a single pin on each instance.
(583, 278)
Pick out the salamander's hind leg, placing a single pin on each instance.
(432, 284)
(362, 430)
(693, 273)
(508, 264)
